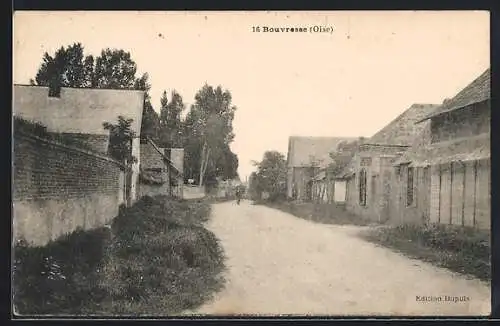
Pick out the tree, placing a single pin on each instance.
(254, 188)
(343, 155)
(120, 140)
(170, 120)
(207, 132)
(65, 69)
(271, 175)
(113, 69)
(150, 124)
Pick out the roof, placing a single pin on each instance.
(303, 150)
(477, 91)
(461, 149)
(403, 129)
(78, 110)
(165, 158)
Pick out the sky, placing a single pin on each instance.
(349, 81)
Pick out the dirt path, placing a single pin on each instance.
(280, 264)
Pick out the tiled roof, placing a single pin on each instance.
(462, 149)
(164, 157)
(301, 150)
(477, 91)
(403, 130)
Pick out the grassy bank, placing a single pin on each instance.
(460, 249)
(317, 212)
(156, 259)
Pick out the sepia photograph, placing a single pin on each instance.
(204, 164)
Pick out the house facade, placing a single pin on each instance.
(452, 169)
(306, 157)
(80, 113)
(369, 177)
(159, 175)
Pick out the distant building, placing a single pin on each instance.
(445, 178)
(306, 156)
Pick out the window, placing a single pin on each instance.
(410, 188)
(362, 187)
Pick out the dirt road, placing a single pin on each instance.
(280, 264)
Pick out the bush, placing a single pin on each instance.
(61, 275)
(159, 252)
(156, 259)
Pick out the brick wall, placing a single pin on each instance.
(98, 143)
(58, 188)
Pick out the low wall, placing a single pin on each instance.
(57, 189)
(192, 192)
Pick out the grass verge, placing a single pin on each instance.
(460, 249)
(157, 259)
(317, 212)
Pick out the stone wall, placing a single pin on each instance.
(57, 188)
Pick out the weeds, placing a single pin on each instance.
(461, 249)
(317, 212)
(157, 259)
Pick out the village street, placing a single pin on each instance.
(280, 264)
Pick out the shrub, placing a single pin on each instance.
(61, 275)
(156, 259)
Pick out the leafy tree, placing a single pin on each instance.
(254, 188)
(120, 140)
(170, 120)
(208, 131)
(113, 69)
(343, 155)
(271, 175)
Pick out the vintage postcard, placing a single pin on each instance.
(288, 163)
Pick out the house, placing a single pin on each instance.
(177, 177)
(80, 113)
(158, 173)
(369, 176)
(306, 156)
(453, 163)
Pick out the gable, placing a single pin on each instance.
(403, 130)
(78, 110)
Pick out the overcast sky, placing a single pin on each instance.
(350, 82)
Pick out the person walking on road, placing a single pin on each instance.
(238, 195)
